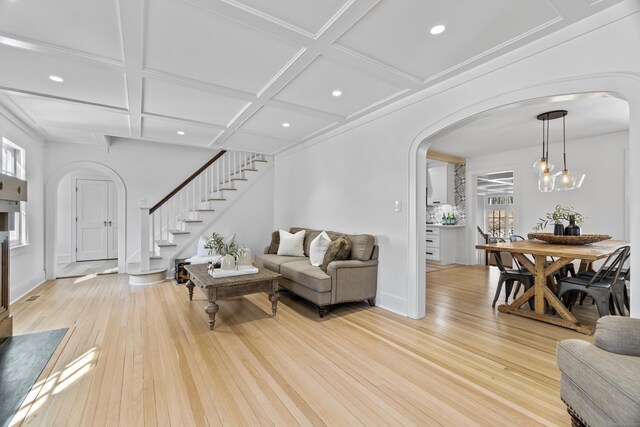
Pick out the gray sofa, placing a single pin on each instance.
(600, 383)
(353, 279)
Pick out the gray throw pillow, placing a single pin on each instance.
(275, 242)
(338, 250)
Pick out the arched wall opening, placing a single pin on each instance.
(626, 87)
(51, 205)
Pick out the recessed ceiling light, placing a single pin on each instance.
(336, 93)
(180, 132)
(437, 29)
(286, 125)
(56, 79)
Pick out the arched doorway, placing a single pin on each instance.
(51, 203)
(624, 86)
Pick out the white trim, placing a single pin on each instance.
(623, 85)
(51, 203)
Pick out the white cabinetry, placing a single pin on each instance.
(441, 185)
(443, 243)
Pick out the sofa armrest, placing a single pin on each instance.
(619, 335)
(351, 263)
(353, 280)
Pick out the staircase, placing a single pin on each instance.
(176, 222)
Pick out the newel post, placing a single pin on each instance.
(144, 240)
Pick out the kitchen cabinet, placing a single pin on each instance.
(443, 243)
(441, 185)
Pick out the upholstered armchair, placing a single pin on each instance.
(600, 382)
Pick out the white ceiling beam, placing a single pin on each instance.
(302, 60)
(196, 84)
(132, 27)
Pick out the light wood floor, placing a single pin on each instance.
(145, 356)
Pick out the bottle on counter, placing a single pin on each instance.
(453, 219)
(444, 219)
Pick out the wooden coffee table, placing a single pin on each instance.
(262, 281)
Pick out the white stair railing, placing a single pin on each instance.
(184, 204)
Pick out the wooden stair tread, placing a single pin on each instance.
(205, 210)
(188, 221)
(216, 200)
(228, 189)
(239, 179)
(165, 244)
(249, 170)
(179, 232)
(261, 161)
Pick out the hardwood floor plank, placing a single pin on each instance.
(145, 356)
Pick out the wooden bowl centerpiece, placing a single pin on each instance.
(569, 240)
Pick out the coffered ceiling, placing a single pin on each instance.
(231, 73)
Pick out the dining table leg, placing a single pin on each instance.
(542, 295)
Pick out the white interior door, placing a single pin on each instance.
(112, 221)
(92, 231)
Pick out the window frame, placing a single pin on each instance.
(19, 236)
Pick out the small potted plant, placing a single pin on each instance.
(561, 213)
(215, 244)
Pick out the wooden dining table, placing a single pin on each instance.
(544, 298)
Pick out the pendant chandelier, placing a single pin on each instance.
(562, 181)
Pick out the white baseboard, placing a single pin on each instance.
(23, 287)
(393, 303)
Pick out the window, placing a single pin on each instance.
(13, 164)
(499, 215)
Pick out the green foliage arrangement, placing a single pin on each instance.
(561, 213)
(215, 243)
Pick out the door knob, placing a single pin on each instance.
(109, 223)
(105, 223)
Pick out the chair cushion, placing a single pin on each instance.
(273, 262)
(305, 274)
(608, 380)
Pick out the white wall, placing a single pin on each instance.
(151, 170)
(348, 180)
(250, 217)
(601, 199)
(27, 262)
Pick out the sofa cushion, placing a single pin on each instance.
(273, 262)
(318, 249)
(338, 250)
(361, 246)
(275, 242)
(291, 244)
(305, 274)
(608, 380)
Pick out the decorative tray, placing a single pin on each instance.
(569, 240)
(219, 273)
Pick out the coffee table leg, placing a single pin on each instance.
(190, 286)
(212, 308)
(273, 297)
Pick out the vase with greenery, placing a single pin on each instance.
(560, 214)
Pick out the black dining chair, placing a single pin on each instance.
(605, 286)
(619, 287)
(509, 276)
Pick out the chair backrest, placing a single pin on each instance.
(610, 270)
(484, 235)
(515, 238)
(496, 254)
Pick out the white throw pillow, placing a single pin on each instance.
(318, 248)
(291, 244)
(201, 251)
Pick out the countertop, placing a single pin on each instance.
(447, 226)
